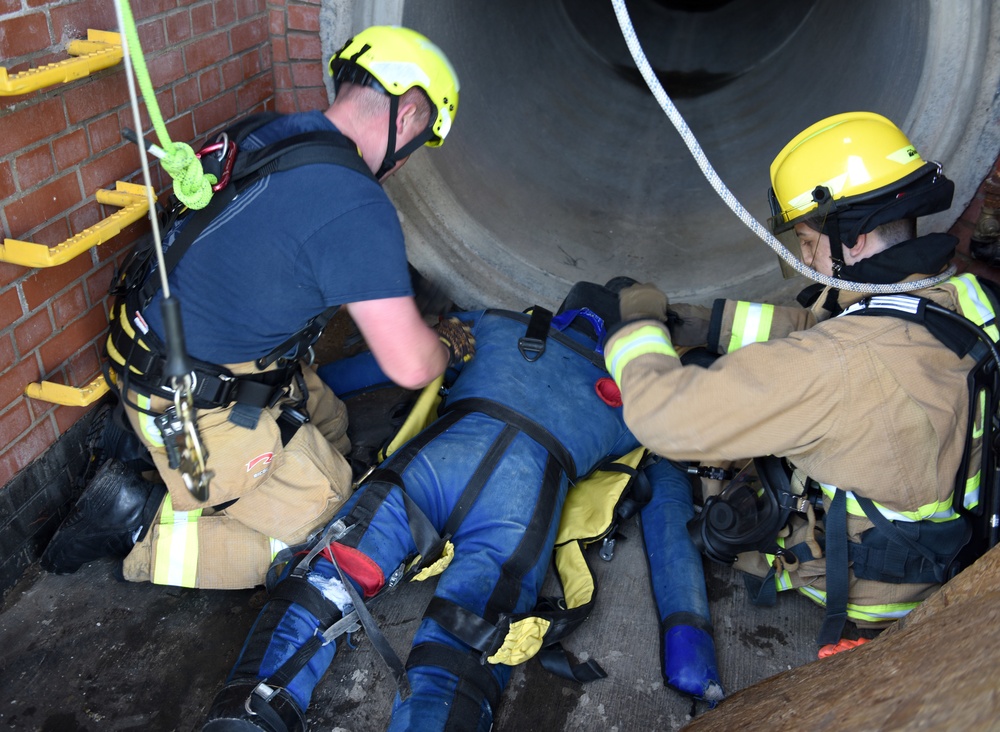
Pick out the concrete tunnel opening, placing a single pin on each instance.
(562, 166)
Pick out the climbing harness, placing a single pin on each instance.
(642, 63)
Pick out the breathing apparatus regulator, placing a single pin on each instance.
(748, 514)
(846, 175)
(392, 60)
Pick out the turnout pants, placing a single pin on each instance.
(263, 496)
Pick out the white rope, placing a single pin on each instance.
(628, 32)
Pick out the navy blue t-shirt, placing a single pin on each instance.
(288, 247)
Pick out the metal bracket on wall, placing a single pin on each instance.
(101, 50)
(134, 204)
(70, 396)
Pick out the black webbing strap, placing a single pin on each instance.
(532, 343)
(478, 479)
(898, 537)
(475, 682)
(468, 627)
(306, 148)
(837, 577)
(531, 428)
(296, 345)
(297, 589)
(555, 660)
(589, 353)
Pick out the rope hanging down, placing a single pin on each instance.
(191, 185)
(639, 56)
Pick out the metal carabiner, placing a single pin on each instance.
(224, 152)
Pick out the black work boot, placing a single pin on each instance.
(113, 513)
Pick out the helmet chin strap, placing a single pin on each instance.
(392, 155)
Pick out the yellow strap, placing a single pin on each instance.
(523, 641)
(432, 570)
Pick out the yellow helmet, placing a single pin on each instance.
(856, 157)
(393, 60)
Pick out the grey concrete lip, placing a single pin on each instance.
(562, 167)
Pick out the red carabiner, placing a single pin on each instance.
(225, 154)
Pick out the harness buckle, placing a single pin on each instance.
(531, 348)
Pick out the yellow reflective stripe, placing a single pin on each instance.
(751, 324)
(642, 341)
(938, 511)
(146, 422)
(869, 613)
(176, 547)
(971, 499)
(974, 303)
(276, 546)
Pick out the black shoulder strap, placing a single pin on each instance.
(962, 341)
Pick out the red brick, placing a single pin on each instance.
(166, 68)
(152, 38)
(104, 132)
(181, 129)
(50, 200)
(303, 17)
(266, 57)
(309, 99)
(85, 366)
(165, 100)
(48, 281)
(51, 234)
(282, 74)
(66, 417)
(24, 34)
(99, 282)
(14, 422)
(149, 8)
(10, 273)
(186, 95)
(249, 34)
(24, 451)
(284, 101)
(60, 348)
(178, 27)
(24, 127)
(206, 51)
(70, 149)
(6, 181)
(14, 379)
(202, 20)
(69, 306)
(254, 93)
(215, 113)
(34, 166)
(87, 215)
(210, 83)
(10, 308)
(111, 248)
(7, 7)
(279, 50)
(276, 22)
(304, 46)
(110, 167)
(98, 96)
(71, 20)
(235, 70)
(307, 74)
(33, 331)
(246, 8)
(225, 13)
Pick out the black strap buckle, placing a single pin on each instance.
(531, 348)
(532, 343)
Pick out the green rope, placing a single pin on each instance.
(191, 185)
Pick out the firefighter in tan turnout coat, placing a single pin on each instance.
(871, 413)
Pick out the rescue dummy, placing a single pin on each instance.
(872, 488)
(476, 497)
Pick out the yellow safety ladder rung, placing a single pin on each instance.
(129, 197)
(101, 50)
(69, 396)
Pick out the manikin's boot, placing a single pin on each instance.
(114, 512)
(284, 656)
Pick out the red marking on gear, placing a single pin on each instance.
(358, 566)
(608, 391)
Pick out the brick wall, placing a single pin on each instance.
(211, 61)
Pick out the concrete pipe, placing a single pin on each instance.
(562, 167)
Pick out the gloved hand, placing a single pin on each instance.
(459, 340)
(638, 302)
(688, 324)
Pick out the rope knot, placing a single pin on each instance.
(191, 185)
